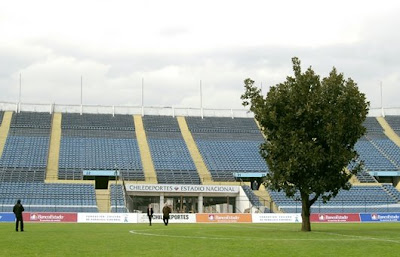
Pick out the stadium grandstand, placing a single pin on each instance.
(59, 158)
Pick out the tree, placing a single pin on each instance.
(310, 127)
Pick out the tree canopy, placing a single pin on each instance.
(310, 127)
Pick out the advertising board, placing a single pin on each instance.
(49, 217)
(380, 217)
(173, 218)
(107, 217)
(223, 218)
(182, 188)
(335, 217)
(276, 217)
(7, 217)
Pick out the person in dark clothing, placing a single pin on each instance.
(17, 210)
(150, 213)
(166, 211)
(255, 185)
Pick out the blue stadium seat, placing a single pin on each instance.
(43, 197)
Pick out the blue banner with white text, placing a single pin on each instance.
(380, 217)
(7, 217)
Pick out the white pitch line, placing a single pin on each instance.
(360, 237)
(250, 238)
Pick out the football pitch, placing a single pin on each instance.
(50, 239)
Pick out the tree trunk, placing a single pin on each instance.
(305, 213)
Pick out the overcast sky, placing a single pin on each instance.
(174, 44)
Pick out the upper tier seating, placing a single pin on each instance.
(394, 122)
(97, 122)
(373, 158)
(228, 145)
(170, 155)
(41, 197)
(372, 125)
(377, 151)
(99, 142)
(26, 148)
(365, 177)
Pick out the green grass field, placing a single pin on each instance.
(41, 239)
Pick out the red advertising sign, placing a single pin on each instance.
(223, 217)
(335, 217)
(50, 217)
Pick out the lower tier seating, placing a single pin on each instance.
(47, 197)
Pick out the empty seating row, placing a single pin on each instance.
(228, 145)
(97, 121)
(31, 120)
(364, 177)
(99, 142)
(178, 177)
(171, 157)
(238, 156)
(391, 190)
(372, 125)
(45, 197)
(394, 122)
(389, 149)
(222, 125)
(99, 153)
(22, 174)
(160, 123)
(25, 151)
(170, 154)
(373, 158)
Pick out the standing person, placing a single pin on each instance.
(150, 213)
(255, 185)
(166, 211)
(17, 210)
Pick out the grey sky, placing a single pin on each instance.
(174, 44)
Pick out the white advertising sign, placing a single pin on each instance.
(173, 218)
(276, 218)
(181, 188)
(107, 217)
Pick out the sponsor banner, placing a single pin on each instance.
(7, 217)
(335, 217)
(380, 217)
(173, 218)
(223, 217)
(181, 188)
(107, 217)
(276, 217)
(49, 217)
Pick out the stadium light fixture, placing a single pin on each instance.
(382, 112)
(81, 95)
(201, 100)
(142, 98)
